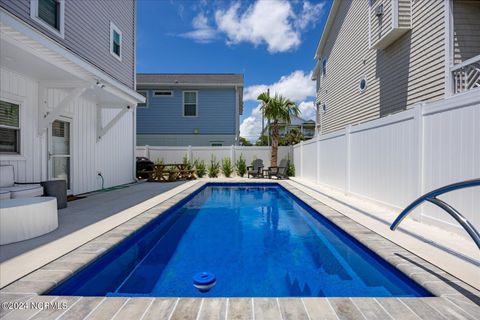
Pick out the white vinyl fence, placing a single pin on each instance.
(176, 154)
(395, 159)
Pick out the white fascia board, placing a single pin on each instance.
(316, 71)
(169, 84)
(94, 74)
(327, 28)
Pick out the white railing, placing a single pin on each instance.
(394, 160)
(466, 75)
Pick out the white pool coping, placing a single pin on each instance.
(27, 262)
(452, 298)
(441, 251)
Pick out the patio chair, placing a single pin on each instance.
(280, 172)
(255, 170)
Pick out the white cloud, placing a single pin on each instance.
(265, 22)
(296, 86)
(310, 15)
(308, 110)
(273, 23)
(251, 127)
(202, 32)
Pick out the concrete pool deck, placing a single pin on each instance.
(453, 298)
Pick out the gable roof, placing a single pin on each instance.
(198, 79)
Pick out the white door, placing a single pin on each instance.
(59, 151)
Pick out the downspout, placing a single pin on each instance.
(237, 116)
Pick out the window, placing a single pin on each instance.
(145, 94)
(324, 67)
(190, 103)
(216, 144)
(362, 86)
(163, 93)
(49, 13)
(115, 41)
(9, 127)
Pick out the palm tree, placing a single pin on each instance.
(277, 109)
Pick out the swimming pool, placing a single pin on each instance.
(259, 240)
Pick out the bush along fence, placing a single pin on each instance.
(213, 161)
(396, 159)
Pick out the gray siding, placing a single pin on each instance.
(87, 32)
(404, 14)
(466, 21)
(380, 26)
(408, 71)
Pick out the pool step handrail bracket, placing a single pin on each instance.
(432, 198)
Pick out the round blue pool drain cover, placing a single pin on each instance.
(204, 281)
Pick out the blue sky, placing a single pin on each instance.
(272, 42)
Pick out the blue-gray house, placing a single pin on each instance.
(189, 109)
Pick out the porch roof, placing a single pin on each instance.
(30, 52)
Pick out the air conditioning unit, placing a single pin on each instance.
(389, 20)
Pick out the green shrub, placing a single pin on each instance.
(290, 169)
(200, 167)
(188, 164)
(213, 168)
(241, 166)
(227, 167)
(159, 161)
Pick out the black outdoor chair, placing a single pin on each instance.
(255, 170)
(280, 171)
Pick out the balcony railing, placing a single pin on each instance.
(466, 75)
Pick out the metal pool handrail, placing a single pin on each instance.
(432, 198)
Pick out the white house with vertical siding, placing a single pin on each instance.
(67, 98)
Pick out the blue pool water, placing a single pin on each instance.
(258, 240)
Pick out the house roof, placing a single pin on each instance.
(182, 79)
(324, 37)
(297, 121)
(327, 28)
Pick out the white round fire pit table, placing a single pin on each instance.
(26, 218)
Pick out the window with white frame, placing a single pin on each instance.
(115, 41)
(362, 85)
(324, 67)
(190, 103)
(9, 127)
(163, 93)
(50, 14)
(144, 104)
